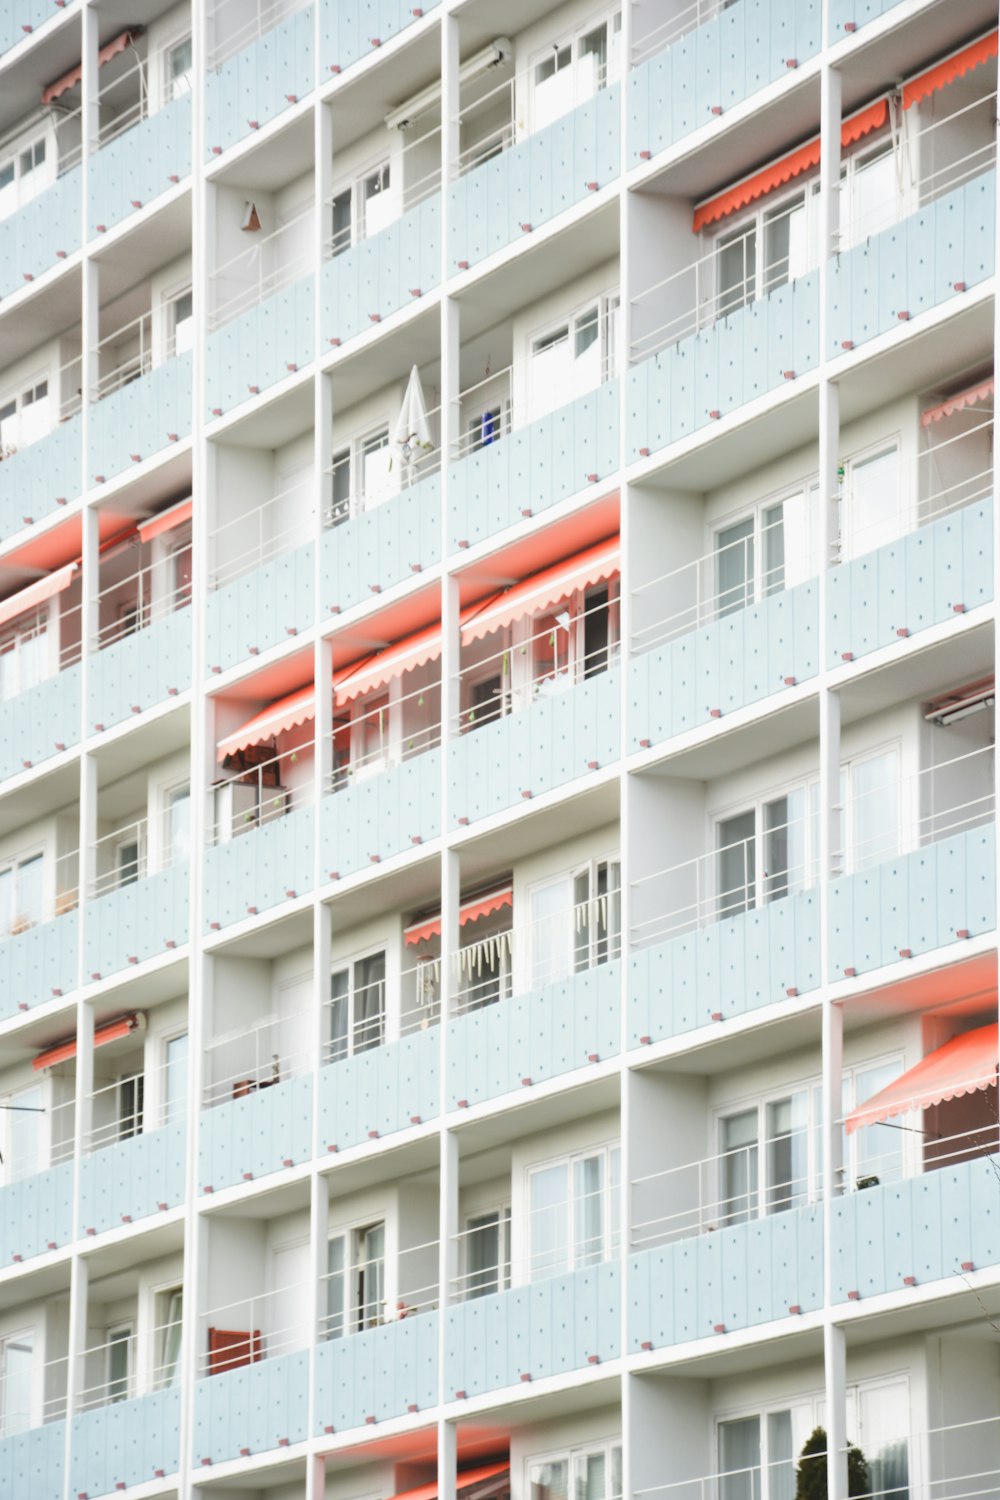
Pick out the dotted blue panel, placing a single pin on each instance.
(538, 178)
(919, 901)
(137, 166)
(126, 1443)
(31, 1463)
(139, 671)
(42, 233)
(537, 1035)
(250, 88)
(534, 467)
(382, 1090)
(911, 583)
(261, 346)
(925, 1227)
(738, 1277)
(136, 922)
(261, 609)
(546, 745)
(379, 1373)
(855, 13)
(259, 868)
(727, 968)
(141, 418)
(378, 276)
(259, 1408)
(249, 1137)
(381, 815)
(350, 29)
(37, 964)
(913, 266)
(41, 722)
(688, 84)
(41, 477)
(131, 1179)
(381, 547)
(36, 1213)
(17, 18)
(544, 1329)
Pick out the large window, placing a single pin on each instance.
(575, 921)
(574, 1212)
(770, 1155)
(355, 1280)
(593, 1472)
(574, 356)
(357, 1006)
(362, 208)
(773, 548)
(573, 68)
(766, 249)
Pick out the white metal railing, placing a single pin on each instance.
(372, 1292)
(149, 594)
(131, 86)
(911, 1149)
(410, 193)
(257, 1055)
(938, 498)
(34, 1399)
(408, 463)
(243, 23)
(772, 1478)
(29, 895)
(271, 260)
(66, 122)
(248, 541)
(375, 739)
(261, 793)
(124, 856)
(29, 429)
(926, 813)
(355, 1020)
(116, 1371)
(133, 352)
(657, 38)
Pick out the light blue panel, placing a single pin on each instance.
(381, 815)
(536, 179)
(559, 737)
(539, 1034)
(129, 1442)
(377, 1374)
(259, 1133)
(43, 232)
(139, 671)
(131, 1179)
(728, 968)
(36, 1214)
(381, 547)
(724, 665)
(31, 1463)
(260, 1407)
(134, 168)
(136, 922)
(535, 467)
(261, 608)
(253, 86)
(925, 1226)
(737, 1277)
(138, 420)
(911, 583)
(41, 722)
(350, 29)
(914, 265)
(379, 1091)
(38, 964)
(260, 346)
(853, 14)
(37, 480)
(933, 893)
(259, 868)
(377, 276)
(538, 1330)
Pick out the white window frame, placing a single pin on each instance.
(384, 162)
(353, 1308)
(24, 395)
(169, 91)
(349, 966)
(848, 533)
(812, 1401)
(572, 37)
(602, 1447)
(29, 1417)
(8, 1168)
(159, 1305)
(164, 1042)
(911, 1145)
(168, 308)
(589, 868)
(503, 1269)
(20, 146)
(607, 303)
(610, 1230)
(813, 1190)
(808, 489)
(123, 1331)
(756, 217)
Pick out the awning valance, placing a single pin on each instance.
(468, 1481)
(963, 1065)
(543, 590)
(38, 592)
(402, 656)
(971, 397)
(297, 708)
(72, 78)
(471, 911)
(111, 1031)
(956, 66)
(167, 520)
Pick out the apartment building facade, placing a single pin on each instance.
(498, 959)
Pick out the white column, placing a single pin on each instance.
(835, 1369)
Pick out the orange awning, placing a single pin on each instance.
(972, 397)
(111, 1031)
(297, 708)
(467, 1481)
(37, 592)
(412, 651)
(955, 66)
(483, 906)
(963, 1065)
(167, 520)
(542, 590)
(72, 78)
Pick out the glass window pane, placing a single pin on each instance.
(26, 1133)
(787, 1152)
(550, 932)
(550, 1481)
(737, 270)
(784, 845)
(878, 1149)
(785, 243)
(482, 1248)
(29, 892)
(736, 864)
(781, 1456)
(875, 809)
(336, 1258)
(369, 1002)
(549, 1221)
(175, 1082)
(883, 1418)
(170, 1340)
(339, 993)
(873, 200)
(15, 1383)
(734, 566)
(738, 1167)
(588, 1211)
(341, 227)
(739, 1459)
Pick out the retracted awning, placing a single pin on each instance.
(38, 592)
(412, 651)
(956, 66)
(167, 520)
(111, 1031)
(471, 911)
(72, 78)
(543, 590)
(467, 1483)
(297, 708)
(962, 1066)
(972, 397)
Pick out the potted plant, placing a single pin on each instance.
(810, 1476)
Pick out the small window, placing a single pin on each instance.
(341, 227)
(17, 1358)
(169, 1319)
(180, 314)
(178, 69)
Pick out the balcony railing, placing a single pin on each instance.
(260, 794)
(271, 261)
(358, 215)
(256, 537)
(152, 592)
(123, 857)
(415, 1291)
(132, 351)
(34, 894)
(258, 1055)
(125, 1376)
(406, 463)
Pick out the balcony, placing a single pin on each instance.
(377, 1374)
(138, 901)
(125, 1442)
(144, 389)
(41, 443)
(709, 58)
(40, 923)
(346, 28)
(134, 1163)
(43, 198)
(366, 281)
(254, 73)
(33, 1462)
